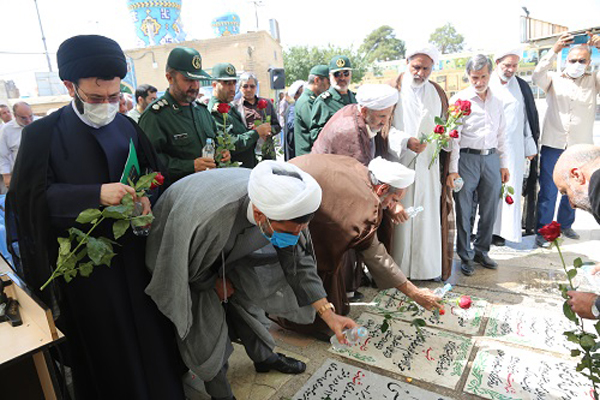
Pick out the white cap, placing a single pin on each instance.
(377, 96)
(392, 173)
(429, 50)
(507, 51)
(294, 87)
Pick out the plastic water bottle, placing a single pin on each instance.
(353, 336)
(413, 211)
(138, 208)
(458, 184)
(584, 277)
(441, 291)
(209, 149)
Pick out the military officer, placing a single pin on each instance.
(244, 140)
(338, 95)
(175, 123)
(318, 82)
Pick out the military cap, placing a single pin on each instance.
(188, 62)
(224, 72)
(320, 70)
(339, 63)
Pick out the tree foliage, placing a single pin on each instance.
(382, 45)
(447, 40)
(298, 60)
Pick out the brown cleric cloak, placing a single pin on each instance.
(446, 201)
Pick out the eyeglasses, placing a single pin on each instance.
(246, 86)
(94, 99)
(337, 74)
(580, 60)
(24, 117)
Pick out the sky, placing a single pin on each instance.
(485, 25)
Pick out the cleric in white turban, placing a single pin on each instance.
(428, 49)
(237, 236)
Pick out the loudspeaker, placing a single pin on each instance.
(277, 78)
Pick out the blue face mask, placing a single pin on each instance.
(281, 239)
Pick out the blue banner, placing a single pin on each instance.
(156, 22)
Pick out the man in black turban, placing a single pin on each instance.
(118, 344)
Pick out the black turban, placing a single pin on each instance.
(88, 56)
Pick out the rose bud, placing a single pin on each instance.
(509, 199)
(223, 108)
(442, 311)
(439, 129)
(454, 134)
(158, 180)
(465, 302)
(262, 104)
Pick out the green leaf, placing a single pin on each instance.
(418, 322)
(127, 200)
(385, 326)
(120, 227)
(107, 258)
(597, 326)
(575, 353)
(145, 181)
(116, 212)
(142, 220)
(86, 269)
(510, 189)
(570, 314)
(77, 234)
(572, 273)
(577, 263)
(96, 250)
(89, 215)
(70, 274)
(587, 342)
(64, 246)
(82, 253)
(439, 121)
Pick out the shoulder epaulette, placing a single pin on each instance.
(325, 95)
(159, 105)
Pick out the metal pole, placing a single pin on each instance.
(43, 37)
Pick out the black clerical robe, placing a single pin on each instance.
(118, 344)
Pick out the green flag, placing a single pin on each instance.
(132, 167)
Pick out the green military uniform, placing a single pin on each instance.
(303, 114)
(178, 133)
(331, 101)
(244, 140)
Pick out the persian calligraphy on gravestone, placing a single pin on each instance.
(455, 319)
(433, 355)
(336, 380)
(529, 327)
(506, 373)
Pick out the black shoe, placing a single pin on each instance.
(358, 296)
(286, 365)
(485, 261)
(570, 233)
(498, 240)
(467, 268)
(541, 242)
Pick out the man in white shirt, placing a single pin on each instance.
(517, 98)
(571, 97)
(5, 114)
(478, 157)
(10, 139)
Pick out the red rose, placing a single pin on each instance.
(454, 134)
(272, 100)
(465, 302)
(551, 231)
(458, 104)
(509, 199)
(442, 311)
(158, 180)
(465, 106)
(439, 129)
(262, 104)
(223, 108)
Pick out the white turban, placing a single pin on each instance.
(429, 50)
(294, 88)
(275, 188)
(508, 51)
(377, 96)
(392, 173)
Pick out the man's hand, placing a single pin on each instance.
(204, 163)
(594, 40)
(111, 194)
(426, 298)
(6, 178)
(450, 179)
(264, 130)
(221, 292)
(581, 303)
(563, 41)
(415, 145)
(397, 213)
(504, 175)
(225, 156)
(337, 324)
(147, 207)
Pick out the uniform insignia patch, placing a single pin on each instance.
(340, 62)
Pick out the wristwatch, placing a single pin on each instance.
(325, 307)
(595, 311)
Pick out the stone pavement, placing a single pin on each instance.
(527, 278)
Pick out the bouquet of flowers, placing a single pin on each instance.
(89, 251)
(268, 148)
(224, 140)
(445, 131)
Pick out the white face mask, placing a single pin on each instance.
(575, 70)
(98, 115)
